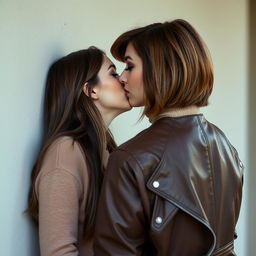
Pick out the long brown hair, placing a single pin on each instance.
(69, 112)
(177, 67)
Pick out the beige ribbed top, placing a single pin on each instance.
(61, 188)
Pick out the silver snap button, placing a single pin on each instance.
(159, 220)
(241, 164)
(155, 184)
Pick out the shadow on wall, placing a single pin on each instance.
(33, 241)
(24, 232)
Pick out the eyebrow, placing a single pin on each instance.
(127, 58)
(112, 66)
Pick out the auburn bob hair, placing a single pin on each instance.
(177, 67)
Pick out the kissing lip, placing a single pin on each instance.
(126, 92)
(127, 96)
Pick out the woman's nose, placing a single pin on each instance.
(122, 78)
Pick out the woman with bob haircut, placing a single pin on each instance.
(176, 187)
(82, 96)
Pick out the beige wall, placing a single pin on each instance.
(34, 33)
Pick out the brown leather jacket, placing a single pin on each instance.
(174, 189)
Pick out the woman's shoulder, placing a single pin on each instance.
(63, 141)
(149, 140)
(65, 154)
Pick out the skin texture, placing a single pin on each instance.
(132, 77)
(109, 95)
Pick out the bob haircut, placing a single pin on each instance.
(177, 67)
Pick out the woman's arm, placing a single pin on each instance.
(120, 219)
(58, 213)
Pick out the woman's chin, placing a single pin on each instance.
(125, 109)
(128, 108)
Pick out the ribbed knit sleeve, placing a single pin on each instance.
(59, 193)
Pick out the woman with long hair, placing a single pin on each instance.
(175, 188)
(82, 96)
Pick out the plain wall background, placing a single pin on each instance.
(34, 33)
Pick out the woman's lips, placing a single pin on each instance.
(127, 96)
(126, 93)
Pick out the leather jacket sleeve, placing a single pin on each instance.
(120, 220)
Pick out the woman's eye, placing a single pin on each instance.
(129, 68)
(115, 75)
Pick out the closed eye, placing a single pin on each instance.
(116, 75)
(129, 68)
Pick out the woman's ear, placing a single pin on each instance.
(89, 91)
